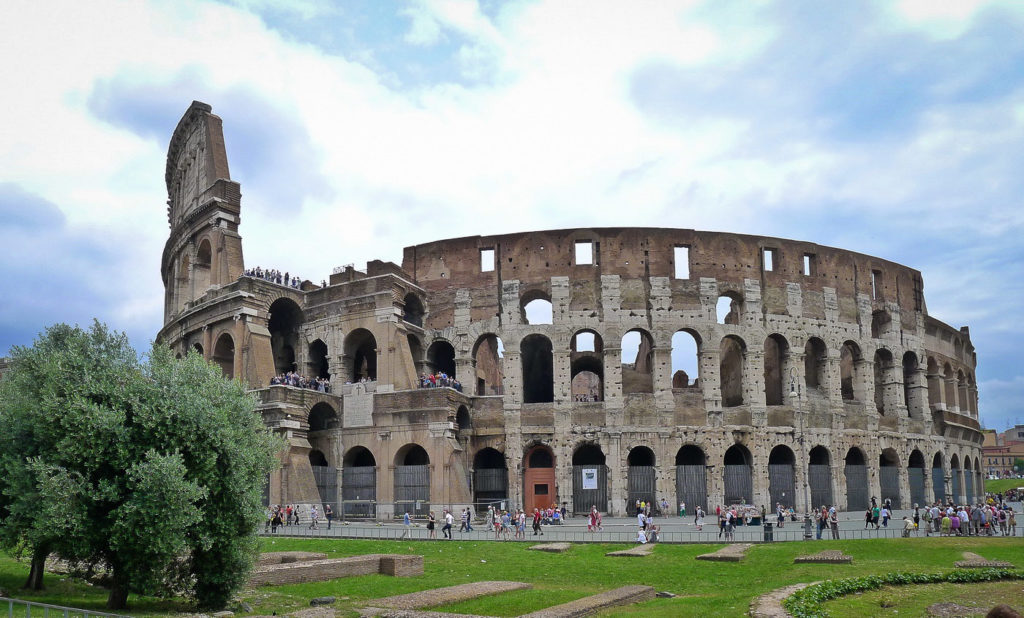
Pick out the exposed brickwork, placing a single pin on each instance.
(399, 565)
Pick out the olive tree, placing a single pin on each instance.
(149, 468)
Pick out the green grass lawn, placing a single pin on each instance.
(997, 485)
(704, 588)
(915, 600)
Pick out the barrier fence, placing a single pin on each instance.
(33, 609)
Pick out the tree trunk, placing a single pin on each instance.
(118, 598)
(35, 574)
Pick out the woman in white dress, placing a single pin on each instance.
(700, 518)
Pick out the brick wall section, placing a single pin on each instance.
(288, 557)
(322, 570)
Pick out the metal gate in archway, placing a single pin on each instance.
(589, 488)
(889, 479)
(490, 485)
(738, 484)
(969, 485)
(412, 489)
(639, 486)
(856, 487)
(939, 484)
(691, 487)
(781, 485)
(820, 478)
(326, 478)
(916, 478)
(359, 490)
(956, 485)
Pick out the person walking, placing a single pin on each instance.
(431, 526)
(448, 521)
(314, 517)
(328, 515)
(833, 522)
(407, 523)
(699, 519)
(536, 522)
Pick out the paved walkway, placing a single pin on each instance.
(619, 530)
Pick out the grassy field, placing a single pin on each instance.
(704, 588)
(915, 600)
(998, 485)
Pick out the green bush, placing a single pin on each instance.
(807, 603)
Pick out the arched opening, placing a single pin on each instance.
(537, 309)
(938, 478)
(637, 362)
(412, 309)
(589, 479)
(490, 478)
(954, 471)
(849, 372)
(317, 364)
(819, 476)
(972, 395)
(729, 308)
(685, 359)
(326, 478)
(880, 323)
(886, 384)
(640, 477)
(198, 348)
(950, 381)
(441, 358)
(934, 384)
(915, 476)
(412, 480)
(781, 477)
(776, 351)
(732, 353)
(969, 496)
(538, 369)
(961, 388)
(856, 472)
(539, 489)
(224, 355)
(586, 359)
(911, 392)
(691, 478)
(463, 419)
(738, 470)
(285, 320)
(359, 483)
(361, 354)
(889, 477)
(322, 416)
(487, 355)
(979, 480)
(815, 364)
(201, 270)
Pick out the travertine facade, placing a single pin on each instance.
(825, 379)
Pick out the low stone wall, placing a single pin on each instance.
(398, 565)
(288, 557)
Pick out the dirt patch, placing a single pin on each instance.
(770, 605)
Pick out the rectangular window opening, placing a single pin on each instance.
(584, 252)
(769, 260)
(876, 283)
(486, 260)
(540, 490)
(681, 260)
(809, 265)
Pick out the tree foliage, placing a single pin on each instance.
(152, 469)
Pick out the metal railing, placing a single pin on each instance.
(42, 609)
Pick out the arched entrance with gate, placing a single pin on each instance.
(691, 480)
(359, 483)
(739, 483)
(781, 481)
(889, 477)
(539, 478)
(490, 479)
(640, 478)
(326, 477)
(412, 480)
(856, 480)
(589, 479)
(938, 479)
(819, 476)
(915, 476)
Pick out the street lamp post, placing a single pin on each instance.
(795, 394)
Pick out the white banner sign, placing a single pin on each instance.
(589, 478)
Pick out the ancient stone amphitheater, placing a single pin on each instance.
(598, 366)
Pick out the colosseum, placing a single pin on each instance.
(597, 366)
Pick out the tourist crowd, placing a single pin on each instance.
(288, 515)
(291, 378)
(438, 380)
(273, 276)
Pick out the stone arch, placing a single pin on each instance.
(782, 476)
(490, 478)
(441, 357)
(224, 355)
(815, 364)
(412, 480)
(202, 268)
(361, 353)
(536, 308)
(686, 348)
(586, 360)
(915, 478)
(889, 477)
(463, 418)
(322, 416)
(359, 482)
(640, 477)
(819, 476)
(856, 472)
(198, 348)
(733, 352)
(638, 372)
(851, 382)
(938, 478)
(538, 369)
(776, 354)
(316, 360)
(691, 476)
(729, 308)
(285, 321)
(738, 471)
(412, 309)
(317, 459)
(590, 478)
(539, 489)
(487, 354)
(886, 397)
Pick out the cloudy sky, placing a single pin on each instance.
(895, 128)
